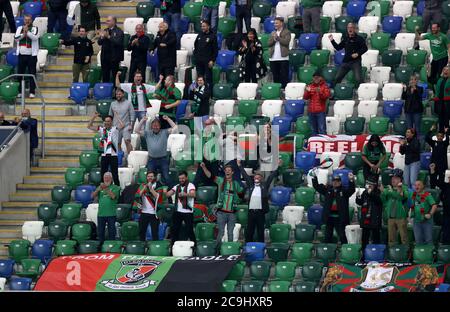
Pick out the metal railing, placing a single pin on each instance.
(5, 143)
(22, 101)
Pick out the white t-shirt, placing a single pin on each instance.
(190, 200)
(142, 107)
(146, 206)
(255, 198)
(277, 51)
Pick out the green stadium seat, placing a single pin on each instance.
(354, 125)
(426, 123)
(135, 248)
(343, 91)
(305, 196)
(312, 271)
(292, 23)
(205, 231)
(114, 246)
(232, 75)
(271, 216)
(158, 248)
(96, 139)
(71, 213)
(242, 216)
(403, 74)
(237, 272)
(341, 23)
(103, 108)
(285, 270)
(89, 159)
(443, 254)
(259, 121)
(423, 254)
(278, 286)
(123, 213)
(95, 176)
(305, 73)
(292, 178)
(65, 248)
(391, 58)
(142, 175)
(216, 71)
(29, 268)
(385, 6)
(326, 253)
(399, 126)
(380, 41)
(88, 247)
(279, 233)
(304, 286)
(353, 161)
(230, 248)
(252, 286)
(184, 160)
(192, 9)
(129, 231)
(423, 176)
(260, 270)
(248, 108)
(228, 286)
(304, 233)
(9, 91)
(74, 177)
(57, 230)
(95, 76)
(296, 58)
(206, 249)
(264, 38)
(398, 253)
(197, 21)
(302, 253)
(19, 249)
(81, 232)
(222, 91)
(261, 9)
(47, 213)
(412, 22)
(278, 251)
(350, 253)
(379, 125)
(145, 10)
(50, 42)
(320, 58)
(5, 71)
(226, 26)
(416, 58)
(60, 195)
(235, 121)
(325, 24)
(271, 91)
(329, 73)
(302, 126)
(206, 195)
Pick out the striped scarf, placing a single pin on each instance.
(134, 97)
(106, 141)
(183, 201)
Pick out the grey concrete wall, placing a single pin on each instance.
(14, 164)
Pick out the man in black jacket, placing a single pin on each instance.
(258, 205)
(200, 94)
(335, 209)
(5, 7)
(88, 16)
(445, 197)
(138, 45)
(205, 52)
(354, 46)
(438, 155)
(111, 40)
(166, 47)
(57, 11)
(172, 16)
(30, 125)
(83, 54)
(412, 95)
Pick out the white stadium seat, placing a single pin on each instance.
(246, 91)
(286, 9)
(292, 42)
(399, 161)
(129, 24)
(322, 177)
(294, 90)
(447, 173)
(137, 159)
(367, 109)
(154, 109)
(271, 108)
(135, 141)
(404, 42)
(15, 8)
(335, 156)
(187, 42)
(41, 59)
(32, 230)
(92, 212)
(333, 125)
(370, 59)
(99, 58)
(175, 143)
(402, 8)
(368, 91)
(353, 233)
(41, 23)
(392, 91)
(180, 86)
(425, 45)
(380, 75)
(126, 59)
(71, 7)
(2, 283)
(332, 9)
(222, 8)
(153, 24)
(293, 215)
(343, 109)
(254, 23)
(326, 43)
(368, 24)
(125, 177)
(182, 57)
(8, 41)
(182, 249)
(223, 109)
(236, 231)
(352, 199)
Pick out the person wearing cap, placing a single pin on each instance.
(395, 202)
(445, 197)
(335, 209)
(422, 210)
(371, 212)
(317, 93)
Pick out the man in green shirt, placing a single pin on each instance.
(395, 200)
(423, 208)
(439, 45)
(210, 13)
(373, 155)
(227, 200)
(108, 196)
(170, 97)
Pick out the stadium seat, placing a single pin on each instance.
(271, 91)
(158, 248)
(350, 253)
(392, 109)
(296, 58)
(279, 233)
(230, 248)
(152, 25)
(308, 42)
(70, 213)
(129, 231)
(315, 215)
(368, 24)
(312, 271)
(326, 43)
(83, 194)
(399, 161)
(305, 196)
(354, 125)
(6, 268)
(392, 25)
(332, 9)
(187, 42)
(205, 231)
(74, 177)
(391, 58)
(47, 213)
(89, 159)
(278, 286)
(103, 91)
(32, 230)
(145, 10)
(269, 24)
(370, 59)
(9, 91)
(423, 254)
(399, 127)
(305, 160)
(114, 246)
(341, 23)
(319, 58)
(285, 271)
(254, 251)
(20, 283)
(125, 177)
(392, 91)
(380, 75)
(379, 125)
(329, 74)
(225, 59)
(368, 91)
(65, 248)
(403, 8)
(137, 159)
(222, 91)
(343, 109)
(353, 161)
(294, 108)
(412, 22)
(302, 252)
(271, 108)
(305, 286)
(343, 173)
(280, 195)
(81, 232)
(375, 252)
(129, 24)
(50, 42)
(425, 160)
(246, 91)
(226, 26)
(135, 248)
(326, 253)
(426, 123)
(304, 233)
(356, 9)
(443, 254)
(94, 75)
(252, 286)
(367, 109)
(79, 92)
(283, 123)
(398, 254)
(57, 230)
(19, 249)
(182, 249)
(292, 215)
(260, 270)
(278, 251)
(380, 41)
(41, 59)
(416, 58)
(123, 213)
(229, 286)
(88, 247)
(206, 195)
(404, 41)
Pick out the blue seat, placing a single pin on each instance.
(283, 123)
(33, 8)
(254, 251)
(83, 194)
(425, 160)
(120, 158)
(392, 25)
(356, 9)
(19, 21)
(157, 3)
(343, 173)
(42, 250)
(392, 109)
(375, 252)
(280, 196)
(225, 59)
(442, 288)
(20, 283)
(294, 108)
(308, 42)
(305, 160)
(12, 58)
(79, 92)
(181, 109)
(161, 231)
(424, 85)
(219, 40)
(269, 24)
(152, 61)
(315, 215)
(233, 9)
(274, 3)
(339, 57)
(420, 7)
(6, 268)
(103, 90)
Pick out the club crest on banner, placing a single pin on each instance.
(377, 276)
(133, 275)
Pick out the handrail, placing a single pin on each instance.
(13, 133)
(23, 105)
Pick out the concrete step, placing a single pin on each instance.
(122, 12)
(48, 170)
(62, 153)
(60, 119)
(31, 196)
(59, 144)
(108, 4)
(51, 127)
(3, 252)
(45, 178)
(66, 60)
(21, 205)
(60, 77)
(56, 93)
(57, 84)
(22, 214)
(62, 100)
(35, 186)
(62, 161)
(36, 109)
(12, 233)
(59, 68)
(69, 135)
